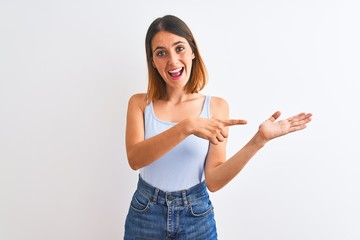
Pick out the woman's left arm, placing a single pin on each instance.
(218, 171)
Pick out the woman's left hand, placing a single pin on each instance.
(271, 128)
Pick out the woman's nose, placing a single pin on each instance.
(173, 59)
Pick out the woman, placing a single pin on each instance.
(177, 137)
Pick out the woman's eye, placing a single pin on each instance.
(180, 49)
(160, 53)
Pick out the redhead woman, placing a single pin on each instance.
(176, 138)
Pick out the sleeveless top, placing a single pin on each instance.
(183, 166)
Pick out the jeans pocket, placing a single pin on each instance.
(201, 207)
(140, 203)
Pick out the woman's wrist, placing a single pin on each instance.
(258, 140)
(187, 126)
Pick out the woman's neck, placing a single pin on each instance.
(177, 96)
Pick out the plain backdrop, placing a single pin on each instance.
(68, 68)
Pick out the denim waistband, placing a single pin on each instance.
(183, 197)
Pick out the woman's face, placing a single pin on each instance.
(172, 57)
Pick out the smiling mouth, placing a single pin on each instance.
(176, 72)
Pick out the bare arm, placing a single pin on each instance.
(219, 172)
(142, 152)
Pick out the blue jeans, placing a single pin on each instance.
(159, 215)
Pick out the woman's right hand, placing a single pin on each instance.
(214, 130)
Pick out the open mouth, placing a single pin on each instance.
(176, 72)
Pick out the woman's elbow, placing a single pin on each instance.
(132, 162)
(134, 166)
(212, 187)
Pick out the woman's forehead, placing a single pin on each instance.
(166, 39)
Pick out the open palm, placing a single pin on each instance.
(272, 129)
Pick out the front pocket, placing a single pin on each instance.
(139, 202)
(201, 207)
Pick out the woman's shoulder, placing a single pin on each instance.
(139, 100)
(218, 101)
(219, 107)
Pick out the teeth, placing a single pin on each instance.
(176, 70)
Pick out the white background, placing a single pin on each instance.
(68, 68)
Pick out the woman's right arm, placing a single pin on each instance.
(141, 152)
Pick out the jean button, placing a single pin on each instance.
(170, 197)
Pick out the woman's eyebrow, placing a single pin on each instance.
(174, 44)
(178, 42)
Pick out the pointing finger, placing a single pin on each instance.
(232, 122)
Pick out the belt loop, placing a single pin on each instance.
(155, 196)
(184, 198)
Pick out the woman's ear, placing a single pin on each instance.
(153, 64)
(193, 56)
